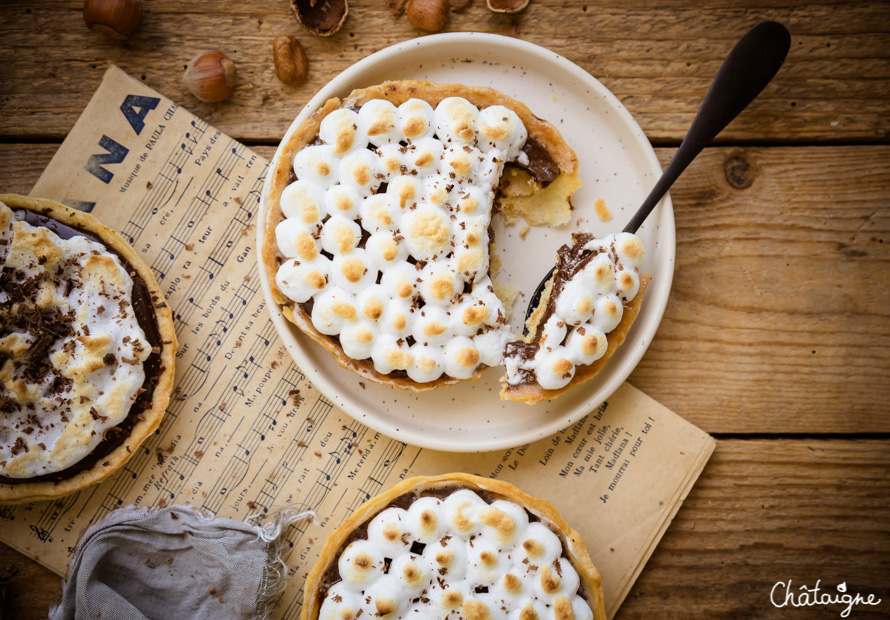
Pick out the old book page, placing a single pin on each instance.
(245, 433)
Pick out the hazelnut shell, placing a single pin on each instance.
(507, 6)
(320, 17)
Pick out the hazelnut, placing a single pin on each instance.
(117, 19)
(291, 63)
(429, 15)
(211, 77)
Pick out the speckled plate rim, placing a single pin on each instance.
(618, 369)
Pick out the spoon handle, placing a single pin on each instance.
(751, 64)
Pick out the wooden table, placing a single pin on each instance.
(776, 339)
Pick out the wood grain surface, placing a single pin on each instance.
(658, 58)
(776, 337)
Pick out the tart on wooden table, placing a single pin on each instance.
(450, 547)
(86, 350)
(377, 238)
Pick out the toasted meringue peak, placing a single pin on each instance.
(344, 130)
(300, 280)
(304, 202)
(295, 240)
(342, 200)
(416, 119)
(381, 120)
(317, 164)
(340, 235)
(456, 120)
(358, 170)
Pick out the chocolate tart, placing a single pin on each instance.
(454, 546)
(573, 259)
(537, 185)
(52, 365)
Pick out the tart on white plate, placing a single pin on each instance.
(450, 547)
(377, 236)
(378, 239)
(86, 350)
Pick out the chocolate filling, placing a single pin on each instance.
(59, 327)
(541, 164)
(571, 259)
(332, 576)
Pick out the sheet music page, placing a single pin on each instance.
(245, 433)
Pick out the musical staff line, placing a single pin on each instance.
(166, 180)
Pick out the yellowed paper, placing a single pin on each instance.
(245, 433)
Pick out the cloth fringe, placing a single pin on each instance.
(277, 571)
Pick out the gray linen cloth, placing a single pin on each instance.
(175, 563)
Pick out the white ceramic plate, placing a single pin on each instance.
(616, 163)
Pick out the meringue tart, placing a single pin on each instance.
(584, 313)
(378, 235)
(454, 546)
(86, 350)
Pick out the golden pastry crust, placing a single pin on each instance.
(150, 417)
(532, 393)
(572, 543)
(396, 93)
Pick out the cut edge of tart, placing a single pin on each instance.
(519, 194)
(572, 544)
(58, 484)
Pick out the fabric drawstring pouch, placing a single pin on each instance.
(175, 562)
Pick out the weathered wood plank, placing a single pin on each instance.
(779, 318)
(22, 164)
(763, 511)
(770, 511)
(658, 59)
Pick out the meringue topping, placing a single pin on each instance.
(455, 554)
(401, 197)
(67, 383)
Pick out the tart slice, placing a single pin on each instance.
(454, 546)
(378, 230)
(583, 316)
(86, 350)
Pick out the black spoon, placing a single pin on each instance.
(750, 66)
